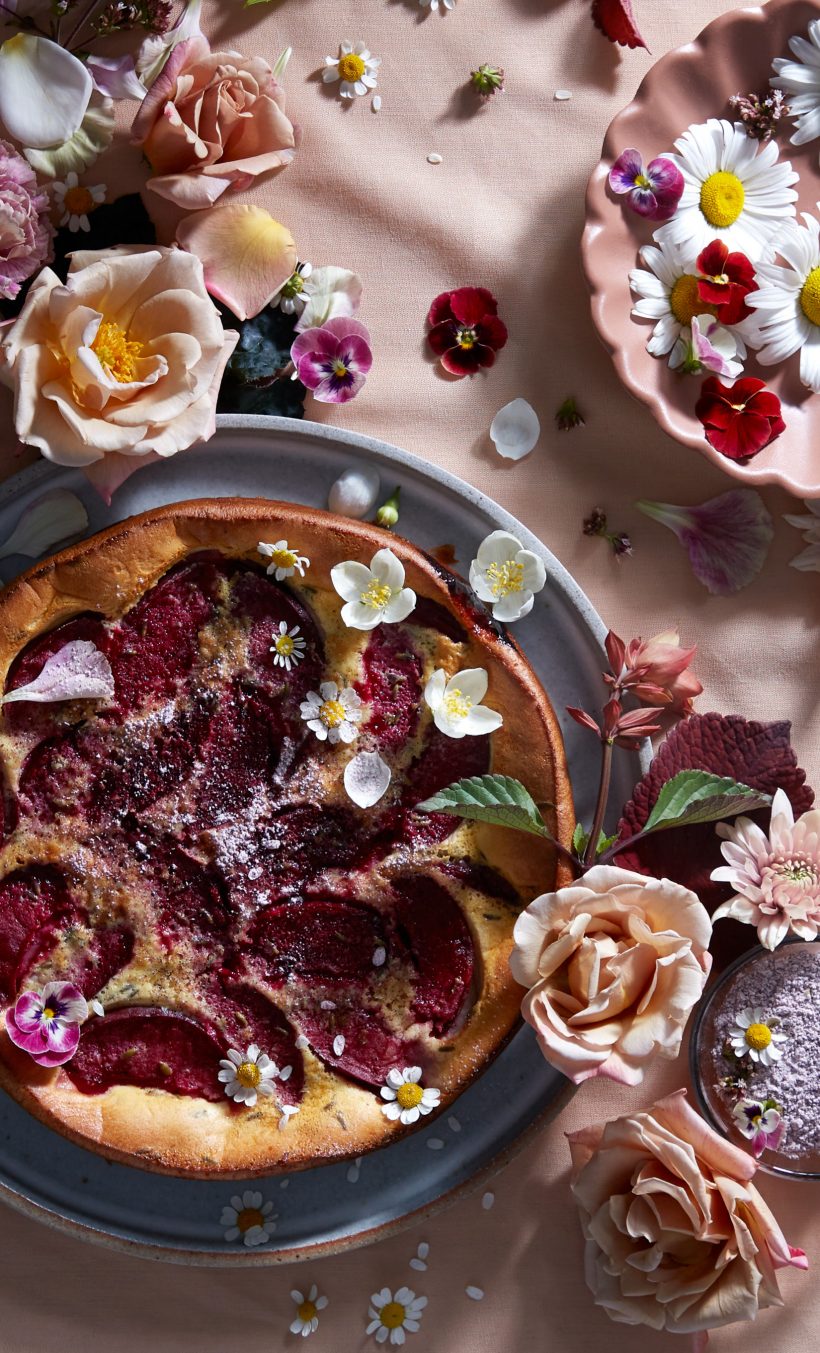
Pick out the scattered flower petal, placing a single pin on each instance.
(247, 255)
(515, 429)
(334, 293)
(614, 18)
(366, 779)
(48, 522)
(562, 95)
(354, 493)
(487, 1200)
(727, 538)
(475, 1293)
(116, 77)
(434, 157)
(77, 671)
(44, 91)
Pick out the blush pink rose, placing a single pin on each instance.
(677, 1236)
(614, 965)
(212, 121)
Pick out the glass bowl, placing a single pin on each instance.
(788, 994)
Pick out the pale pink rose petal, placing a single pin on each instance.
(77, 671)
(247, 255)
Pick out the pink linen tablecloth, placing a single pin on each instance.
(503, 209)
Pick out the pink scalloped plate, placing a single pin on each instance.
(732, 55)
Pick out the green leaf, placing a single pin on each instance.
(604, 843)
(697, 796)
(498, 799)
(580, 838)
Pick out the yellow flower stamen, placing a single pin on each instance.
(758, 1036)
(284, 645)
(249, 1075)
(351, 68)
(641, 181)
(392, 1315)
(78, 201)
(332, 713)
(339, 368)
(376, 595)
(506, 578)
(685, 302)
(307, 1311)
(48, 1013)
(466, 339)
(722, 196)
(810, 297)
(249, 1217)
(117, 352)
(457, 705)
(409, 1095)
(283, 558)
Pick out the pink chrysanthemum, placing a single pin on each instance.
(776, 878)
(25, 229)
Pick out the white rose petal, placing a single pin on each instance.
(366, 778)
(515, 429)
(44, 91)
(334, 291)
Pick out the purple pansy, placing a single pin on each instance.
(46, 1024)
(334, 359)
(653, 192)
(761, 1122)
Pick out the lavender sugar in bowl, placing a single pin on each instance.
(755, 1055)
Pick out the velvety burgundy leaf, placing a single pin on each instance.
(616, 21)
(755, 754)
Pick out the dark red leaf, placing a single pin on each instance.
(616, 21)
(755, 754)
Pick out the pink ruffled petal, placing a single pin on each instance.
(27, 1014)
(727, 538)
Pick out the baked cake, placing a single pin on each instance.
(185, 852)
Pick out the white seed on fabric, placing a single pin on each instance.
(434, 157)
(562, 95)
(474, 1293)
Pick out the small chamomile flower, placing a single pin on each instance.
(308, 1306)
(752, 1037)
(332, 714)
(247, 1075)
(75, 201)
(355, 68)
(293, 296)
(284, 561)
(394, 1315)
(406, 1098)
(250, 1217)
(288, 647)
(443, 5)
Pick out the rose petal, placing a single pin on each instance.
(44, 91)
(515, 429)
(77, 671)
(246, 254)
(366, 778)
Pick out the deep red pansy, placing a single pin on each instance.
(725, 281)
(465, 331)
(739, 420)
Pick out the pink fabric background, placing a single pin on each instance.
(505, 210)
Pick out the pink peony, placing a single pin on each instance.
(210, 122)
(655, 670)
(614, 964)
(46, 1024)
(776, 878)
(25, 230)
(677, 1235)
(334, 359)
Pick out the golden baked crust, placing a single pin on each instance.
(338, 1116)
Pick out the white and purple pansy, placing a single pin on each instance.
(653, 192)
(761, 1122)
(46, 1024)
(333, 360)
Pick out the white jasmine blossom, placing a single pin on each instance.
(506, 576)
(456, 704)
(373, 595)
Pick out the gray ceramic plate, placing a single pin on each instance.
(332, 1207)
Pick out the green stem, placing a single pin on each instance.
(600, 807)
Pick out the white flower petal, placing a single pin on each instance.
(366, 778)
(515, 429)
(44, 91)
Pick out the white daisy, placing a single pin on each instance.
(284, 561)
(250, 1217)
(787, 302)
(750, 1036)
(407, 1099)
(456, 704)
(809, 560)
(443, 5)
(332, 714)
(800, 80)
(354, 67)
(307, 1311)
(288, 647)
(506, 576)
(293, 295)
(734, 190)
(373, 595)
(668, 294)
(394, 1316)
(247, 1075)
(75, 201)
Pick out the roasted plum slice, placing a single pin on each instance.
(391, 685)
(353, 1039)
(148, 1046)
(317, 940)
(434, 929)
(36, 906)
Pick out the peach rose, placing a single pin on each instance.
(677, 1237)
(126, 357)
(614, 965)
(212, 121)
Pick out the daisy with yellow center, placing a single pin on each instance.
(355, 69)
(506, 576)
(667, 291)
(288, 646)
(406, 1099)
(394, 1315)
(753, 1037)
(787, 302)
(333, 714)
(249, 1218)
(284, 561)
(308, 1306)
(247, 1075)
(455, 703)
(373, 595)
(75, 202)
(735, 189)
